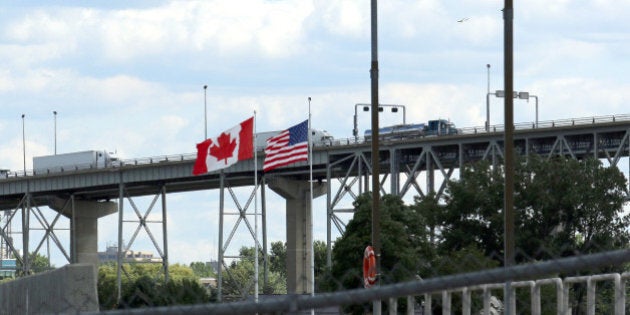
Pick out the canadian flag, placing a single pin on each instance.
(233, 145)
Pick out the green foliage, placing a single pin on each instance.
(319, 248)
(404, 244)
(278, 258)
(38, 263)
(202, 270)
(143, 285)
(238, 278)
(562, 207)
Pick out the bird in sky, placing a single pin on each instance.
(463, 20)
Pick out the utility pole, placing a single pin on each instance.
(508, 17)
(376, 229)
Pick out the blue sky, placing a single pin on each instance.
(129, 77)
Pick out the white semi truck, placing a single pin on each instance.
(73, 161)
(319, 138)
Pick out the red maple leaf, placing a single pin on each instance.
(225, 149)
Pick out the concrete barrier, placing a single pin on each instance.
(68, 290)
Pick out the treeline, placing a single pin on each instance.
(563, 207)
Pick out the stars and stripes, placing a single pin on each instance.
(288, 147)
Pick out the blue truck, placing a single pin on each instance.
(437, 127)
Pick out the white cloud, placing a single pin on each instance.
(346, 18)
(271, 29)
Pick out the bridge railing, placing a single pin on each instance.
(340, 142)
(519, 126)
(561, 286)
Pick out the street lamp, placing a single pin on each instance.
(366, 108)
(23, 145)
(55, 115)
(488, 101)
(205, 114)
(527, 96)
(500, 93)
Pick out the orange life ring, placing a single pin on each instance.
(369, 267)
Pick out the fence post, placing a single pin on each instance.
(446, 302)
(411, 304)
(620, 295)
(564, 297)
(536, 299)
(466, 301)
(486, 300)
(427, 304)
(591, 287)
(393, 306)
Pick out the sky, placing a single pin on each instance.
(128, 77)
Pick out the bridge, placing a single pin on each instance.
(341, 170)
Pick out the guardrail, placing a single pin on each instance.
(341, 142)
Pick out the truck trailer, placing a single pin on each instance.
(73, 161)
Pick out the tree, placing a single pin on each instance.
(405, 252)
(238, 278)
(278, 258)
(38, 263)
(201, 269)
(562, 207)
(319, 248)
(143, 284)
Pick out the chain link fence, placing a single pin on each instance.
(467, 293)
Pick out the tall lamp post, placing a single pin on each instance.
(536, 99)
(488, 101)
(366, 108)
(23, 144)
(205, 114)
(55, 115)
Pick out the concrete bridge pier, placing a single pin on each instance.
(298, 228)
(84, 226)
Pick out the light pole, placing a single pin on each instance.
(366, 108)
(376, 212)
(55, 115)
(535, 98)
(205, 114)
(23, 145)
(488, 101)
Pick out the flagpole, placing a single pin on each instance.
(310, 165)
(255, 214)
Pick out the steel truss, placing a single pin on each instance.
(28, 207)
(242, 216)
(142, 222)
(407, 163)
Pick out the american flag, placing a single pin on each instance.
(290, 146)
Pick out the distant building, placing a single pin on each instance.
(208, 282)
(111, 254)
(214, 265)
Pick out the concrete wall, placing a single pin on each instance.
(67, 290)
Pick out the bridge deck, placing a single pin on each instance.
(603, 137)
